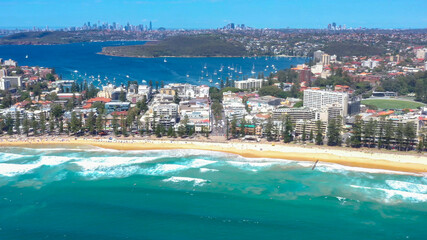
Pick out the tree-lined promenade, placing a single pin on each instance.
(371, 134)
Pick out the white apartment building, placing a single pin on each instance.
(318, 99)
(326, 59)
(317, 56)
(370, 64)
(15, 81)
(251, 83)
(4, 84)
(10, 63)
(107, 91)
(165, 114)
(422, 53)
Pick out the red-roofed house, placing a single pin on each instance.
(99, 99)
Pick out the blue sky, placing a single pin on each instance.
(216, 13)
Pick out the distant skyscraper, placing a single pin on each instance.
(334, 26)
(151, 26)
(232, 25)
(329, 26)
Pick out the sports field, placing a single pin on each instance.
(392, 104)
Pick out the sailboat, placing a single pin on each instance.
(215, 73)
(205, 66)
(240, 72)
(164, 60)
(26, 56)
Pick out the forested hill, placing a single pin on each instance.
(182, 46)
(63, 37)
(351, 48)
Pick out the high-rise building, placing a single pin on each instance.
(151, 26)
(317, 56)
(422, 53)
(251, 83)
(318, 99)
(326, 59)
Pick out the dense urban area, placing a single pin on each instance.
(361, 88)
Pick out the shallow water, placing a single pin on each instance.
(60, 193)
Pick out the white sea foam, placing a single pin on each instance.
(197, 163)
(253, 166)
(208, 170)
(392, 194)
(53, 160)
(161, 169)
(4, 157)
(95, 163)
(341, 199)
(305, 164)
(10, 169)
(114, 172)
(337, 168)
(197, 181)
(407, 186)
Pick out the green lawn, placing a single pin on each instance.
(391, 104)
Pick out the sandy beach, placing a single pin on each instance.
(387, 160)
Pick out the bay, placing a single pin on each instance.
(80, 61)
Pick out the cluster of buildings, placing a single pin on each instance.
(175, 102)
(13, 77)
(365, 69)
(318, 104)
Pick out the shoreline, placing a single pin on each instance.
(57, 44)
(124, 56)
(263, 56)
(408, 163)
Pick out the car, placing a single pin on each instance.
(103, 133)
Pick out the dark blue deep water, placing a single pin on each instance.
(83, 57)
(66, 193)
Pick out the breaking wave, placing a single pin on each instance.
(394, 195)
(196, 181)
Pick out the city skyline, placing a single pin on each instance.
(215, 13)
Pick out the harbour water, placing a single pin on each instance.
(80, 61)
(83, 193)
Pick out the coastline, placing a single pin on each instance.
(124, 56)
(30, 43)
(399, 162)
(186, 56)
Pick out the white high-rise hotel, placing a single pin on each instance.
(319, 99)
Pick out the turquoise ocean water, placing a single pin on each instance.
(66, 193)
(83, 58)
